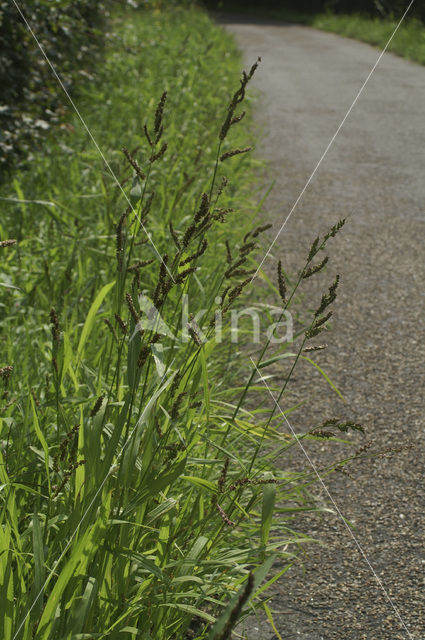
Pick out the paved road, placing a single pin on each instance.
(375, 174)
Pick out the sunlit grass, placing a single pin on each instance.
(408, 42)
(137, 497)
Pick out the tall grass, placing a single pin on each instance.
(409, 41)
(138, 498)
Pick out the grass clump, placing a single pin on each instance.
(409, 41)
(137, 498)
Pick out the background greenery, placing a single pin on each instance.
(372, 22)
(72, 35)
(373, 8)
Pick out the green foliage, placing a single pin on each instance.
(137, 496)
(69, 32)
(409, 41)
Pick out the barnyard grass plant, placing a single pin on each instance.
(137, 498)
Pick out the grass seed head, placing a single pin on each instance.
(132, 308)
(221, 214)
(139, 265)
(237, 609)
(122, 325)
(318, 347)
(235, 293)
(188, 235)
(328, 298)
(237, 119)
(225, 519)
(321, 433)
(55, 326)
(119, 240)
(148, 138)
(160, 153)
(334, 230)
(159, 113)
(234, 152)
(204, 208)
(315, 269)
(7, 243)
(111, 328)
(175, 409)
(229, 273)
(228, 253)
(181, 277)
(237, 98)
(5, 373)
(261, 229)
(174, 236)
(281, 282)
(202, 248)
(96, 406)
(313, 249)
(143, 356)
(247, 247)
(223, 184)
(194, 331)
(133, 163)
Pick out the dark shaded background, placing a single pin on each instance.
(378, 8)
(72, 35)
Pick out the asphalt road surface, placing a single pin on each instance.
(374, 174)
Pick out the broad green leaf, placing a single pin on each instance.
(266, 363)
(89, 323)
(201, 483)
(39, 572)
(81, 552)
(188, 608)
(160, 510)
(193, 555)
(83, 607)
(41, 438)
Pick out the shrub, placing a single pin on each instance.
(71, 36)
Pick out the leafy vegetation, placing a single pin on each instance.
(139, 493)
(409, 41)
(71, 34)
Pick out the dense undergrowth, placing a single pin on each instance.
(72, 35)
(137, 496)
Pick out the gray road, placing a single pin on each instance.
(375, 175)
